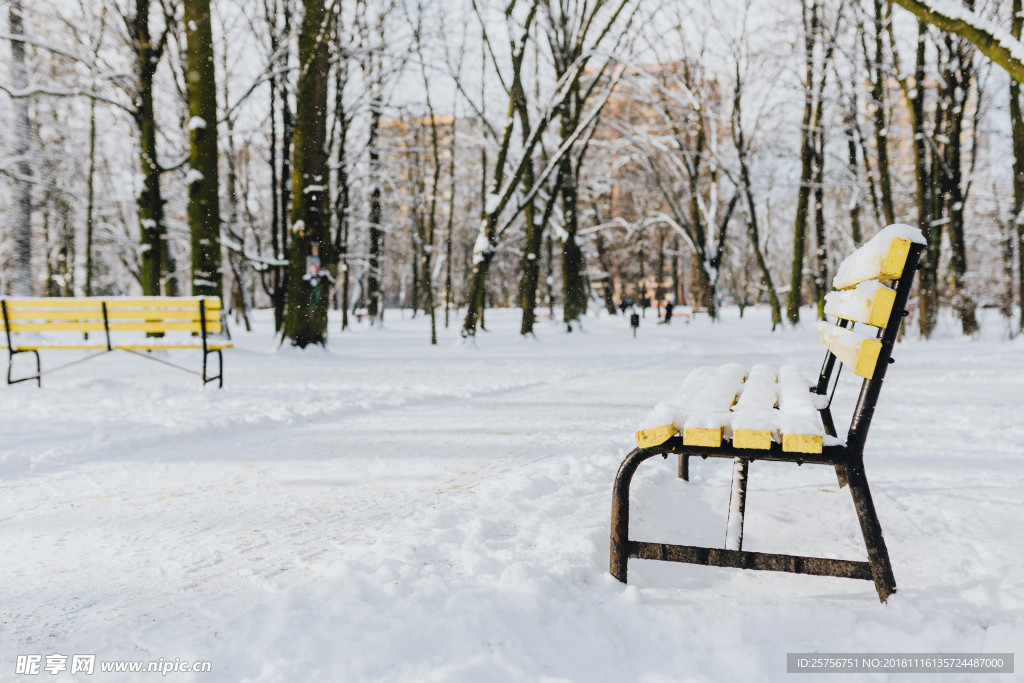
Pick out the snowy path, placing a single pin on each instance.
(387, 511)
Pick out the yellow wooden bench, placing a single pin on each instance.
(763, 413)
(107, 323)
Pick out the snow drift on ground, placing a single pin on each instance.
(387, 510)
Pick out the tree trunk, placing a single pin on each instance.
(881, 124)
(796, 280)
(1017, 126)
(203, 191)
(154, 249)
(310, 254)
(235, 252)
(342, 198)
(925, 195)
(374, 300)
(854, 167)
(574, 288)
(90, 201)
(531, 261)
(21, 262)
(451, 224)
(752, 227)
(607, 283)
(958, 77)
(820, 239)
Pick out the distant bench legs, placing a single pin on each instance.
(38, 377)
(219, 377)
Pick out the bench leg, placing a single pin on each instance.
(684, 467)
(38, 377)
(841, 476)
(878, 555)
(620, 511)
(219, 377)
(737, 504)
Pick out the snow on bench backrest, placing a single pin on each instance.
(856, 352)
(881, 258)
(861, 298)
(869, 303)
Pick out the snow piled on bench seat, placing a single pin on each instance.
(707, 396)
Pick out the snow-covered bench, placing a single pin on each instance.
(104, 324)
(763, 413)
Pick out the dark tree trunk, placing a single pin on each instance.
(154, 259)
(20, 263)
(203, 191)
(374, 298)
(1017, 126)
(796, 280)
(310, 254)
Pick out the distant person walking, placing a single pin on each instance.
(668, 314)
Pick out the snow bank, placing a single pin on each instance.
(387, 510)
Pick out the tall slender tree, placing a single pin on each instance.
(156, 269)
(203, 189)
(812, 153)
(21, 263)
(1017, 128)
(310, 247)
(575, 31)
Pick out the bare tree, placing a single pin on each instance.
(204, 179)
(309, 252)
(20, 279)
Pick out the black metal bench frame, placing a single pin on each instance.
(848, 461)
(12, 351)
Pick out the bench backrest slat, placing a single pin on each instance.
(883, 259)
(869, 303)
(892, 255)
(858, 353)
(86, 314)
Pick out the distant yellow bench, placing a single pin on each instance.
(763, 413)
(106, 324)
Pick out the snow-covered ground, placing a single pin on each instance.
(388, 510)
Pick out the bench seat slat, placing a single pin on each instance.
(752, 422)
(708, 408)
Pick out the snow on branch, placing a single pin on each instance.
(32, 91)
(993, 40)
